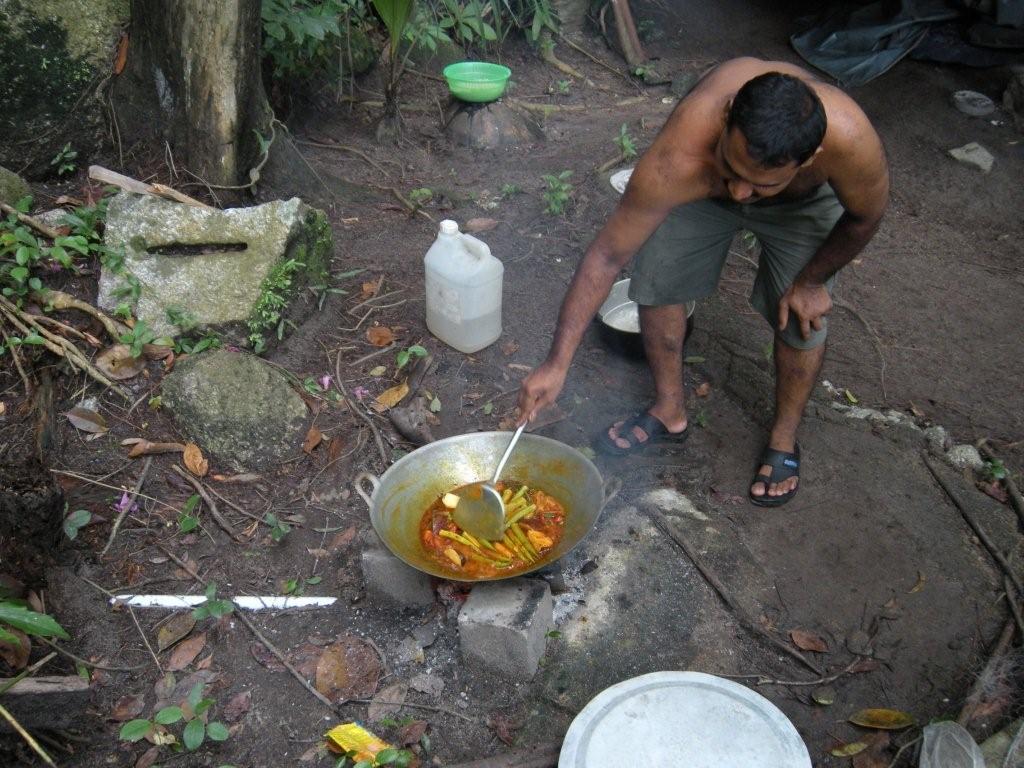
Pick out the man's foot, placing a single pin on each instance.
(777, 480)
(627, 436)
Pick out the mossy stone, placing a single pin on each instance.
(236, 407)
(12, 187)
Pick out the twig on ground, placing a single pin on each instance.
(998, 651)
(236, 507)
(429, 707)
(609, 164)
(36, 224)
(425, 75)
(763, 680)
(593, 58)
(127, 506)
(1012, 600)
(370, 356)
(135, 619)
(26, 736)
(899, 752)
(359, 411)
(354, 310)
(1011, 487)
(91, 481)
(346, 148)
(993, 550)
(210, 503)
(92, 664)
(874, 338)
(748, 623)
(16, 355)
(413, 208)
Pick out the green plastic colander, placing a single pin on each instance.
(478, 81)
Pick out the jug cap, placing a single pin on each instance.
(449, 227)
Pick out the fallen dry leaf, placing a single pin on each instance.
(247, 477)
(205, 663)
(266, 658)
(808, 641)
(348, 669)
(334, 449)
(117, 362)
(16, 652)
(142, 447)
(876, 755)
(186, 651)
(509, 348)
(504, 726)
(474, 226)
(882, 719)
(195, 461)
(864, 665)
(411, 733)
(148, 758)
(87, 420)
(849, 750)
(995, 490)
(916, 411)
(158, 352)
(369, 289)
(389, 398)
(313, 438)
(388, 701)
(342, 539)
(703, 389)
(128, 708)
(380, 336)
(174, 630)
(237, 706)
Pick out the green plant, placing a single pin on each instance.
(558, 192)
(296, 587)
(421, 196)
(509, 190)
(271, 303)
(138, 336)
(22, 252)
(64, 160)
(625, 143)
(404, 355)
(395, 15)
(563, 87)
(192, 712)
(702, 419)
(466, 20)
(278, 528)
(399, 758)
(213, 606)
(300, 36)
(187, 521)
(993, 470)
(74, 522)
(15, 614)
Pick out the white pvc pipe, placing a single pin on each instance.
(245, 602)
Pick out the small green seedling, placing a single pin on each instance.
(187, 521)
(558, 192)
(702, 419)
(510, 190)
(212, 606)
(403, 356)
(563, 87)
(74, 522)
(625, 143)
(399, 758)
(994, 469)
(64, 161)
(421, 196)
(296, 587)
(192, 713)
(278, 528)
(137, 337)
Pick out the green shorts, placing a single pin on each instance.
(682, 261)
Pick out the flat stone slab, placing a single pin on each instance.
(237, 407)
(974, 155)
(503, 626)
(215, 266)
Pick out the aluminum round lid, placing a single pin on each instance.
(668, 719)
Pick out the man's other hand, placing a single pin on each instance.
(808, 303)
(540, 389)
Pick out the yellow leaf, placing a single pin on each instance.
(849, 750)
(195, 461)
(883, 719)
(920, 583)
(389, 398)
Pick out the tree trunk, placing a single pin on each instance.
(193, 78)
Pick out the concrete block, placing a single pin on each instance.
(389, 579)
(503, 626)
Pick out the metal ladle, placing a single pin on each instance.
(481, 510)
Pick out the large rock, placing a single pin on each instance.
(231, 271)
(12, 187)
(53, 52)
(490, 126)
(236, 407)
(1013, 97)
(503, 626)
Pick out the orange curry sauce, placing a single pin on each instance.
(527, 541)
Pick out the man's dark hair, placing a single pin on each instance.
(781, 118)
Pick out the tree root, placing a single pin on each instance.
(547, 53)
(36, 224)
(64, 301)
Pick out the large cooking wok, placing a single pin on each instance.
(411, 484)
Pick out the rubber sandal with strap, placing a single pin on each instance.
(784, 466)
(656, 432)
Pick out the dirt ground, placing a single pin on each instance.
(871, 552)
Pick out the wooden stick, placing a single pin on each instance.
(763, 680)
(1012, 599)
(26, 736)
(92, 664)
(210, 503)
(998, 651)
(359, 411)
(16, 355)
(127, 183)
(135, 620)
(25, 673)
(36, 224)
(1011, 487)
(748, 623)
(993, 550)
(131, 500)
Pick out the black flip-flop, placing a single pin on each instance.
(656, 431)
(784, 466)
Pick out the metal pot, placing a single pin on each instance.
(619, 321)
(399, 498)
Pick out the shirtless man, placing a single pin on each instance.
(757, 145)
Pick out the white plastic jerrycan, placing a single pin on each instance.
(463, 290)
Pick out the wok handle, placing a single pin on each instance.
(358, 485)
(610, 490)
